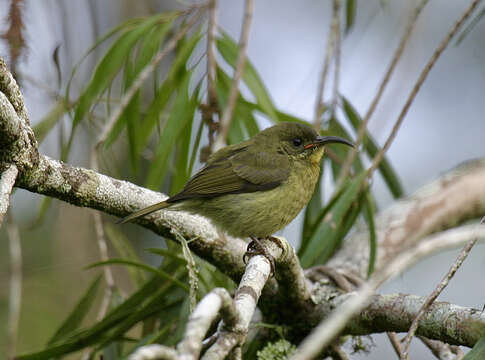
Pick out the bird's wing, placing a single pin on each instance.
(261, 168)
(238, 172)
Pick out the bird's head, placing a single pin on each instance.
(298, 141)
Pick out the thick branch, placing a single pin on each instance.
(449, 323)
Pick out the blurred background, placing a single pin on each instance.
(444, 127)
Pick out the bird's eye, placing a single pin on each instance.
(297, 142)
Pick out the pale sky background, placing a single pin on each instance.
(444, 127)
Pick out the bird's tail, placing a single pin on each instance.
(144, 211)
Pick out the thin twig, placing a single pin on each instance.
(437, 291)
(7, 181)
(144, 74)
(319, 103)
(337, 46)
(226, 118)
(396, 344)
(338, 353)
(103, 249)
(191, 270)
(363, 126)
(211, 59)
(441, 350)
(380, 155)
(15, 297)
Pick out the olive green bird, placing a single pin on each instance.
(257, 187)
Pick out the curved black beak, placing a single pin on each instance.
(323, 140)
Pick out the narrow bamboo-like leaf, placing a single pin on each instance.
(336, 129)
(96, 333)
(45, 125)
(350, 11)
(318, 219)
(125, 26)
(478, 350)
(182, 158)
(312, 212)
(243, 124)
(369, 212)
(229, 51)
(181, 161)
(159, 272)
(109, 66)
(385, 168)
(173, 81)
(125, 250)
(195, 148)
(149, 47)
(167, 253)
(154, 306)
(77, 315)
(131, 116)
(324, 239)
(43, 208)
(181, 114)
(470, 26)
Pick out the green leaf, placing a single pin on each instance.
(174, 80)
(325, 239)
(229, 51)
(478, 350)
(45, 125)
(244, 124)
(350, 11)
(168, 254)
(312, 212)
(319, 218)
(385, 168)
(195, 148)
(182, 113)
(470, 26)
(158, 272)
(369, 212)
(77, 315)
(149, 47)
(110, 65)
(181, 160)
(153, 288)
(124, 248)
(154, 306)
(43, 208)
(335, 128)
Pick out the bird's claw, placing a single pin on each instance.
(256, 248)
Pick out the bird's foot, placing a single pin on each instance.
(255, 247)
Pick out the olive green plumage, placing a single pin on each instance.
(256, 187)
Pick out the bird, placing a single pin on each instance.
(256, 187)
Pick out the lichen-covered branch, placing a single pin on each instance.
(232, 330)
